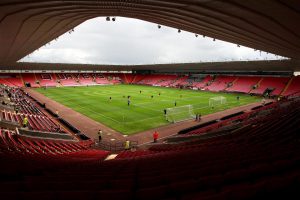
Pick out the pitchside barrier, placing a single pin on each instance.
(114, 146)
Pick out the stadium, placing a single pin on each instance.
(207, 130)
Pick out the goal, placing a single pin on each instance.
(180, 113)
(214, 101)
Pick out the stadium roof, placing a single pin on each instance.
(268, 25)
(242, 66)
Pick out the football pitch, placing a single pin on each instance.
(144, 112)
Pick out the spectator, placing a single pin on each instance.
(25, 122)
(155, 136)
(127, 145)
(16, 109)
(263, 101)
(100, 135)
(199, 117)
(279, 98)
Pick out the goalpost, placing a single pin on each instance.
(214, 101)
(179, 113)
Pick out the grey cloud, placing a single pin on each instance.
(131, 41)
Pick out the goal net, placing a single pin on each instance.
(180, 113)
(214, 101)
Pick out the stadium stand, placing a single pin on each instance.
(245, 151)
(127, 78)
(40, 123)
(68, 80)
(23, 107)
(47, 80)
(202, 83)
(11, 80)
(152, 79)
(180, 81)
(137, 78)
(30, 78)
(292, 87)
(102, 81)
(86, 79)
(275, 84)
(243, 84)
(220, 83)
(248, 163)
(252, 154)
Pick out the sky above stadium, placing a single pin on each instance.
(130, 41)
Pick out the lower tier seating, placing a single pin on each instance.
(261, 162)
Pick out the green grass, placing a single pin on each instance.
(144, 112)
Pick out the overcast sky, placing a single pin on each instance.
(130, 41)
